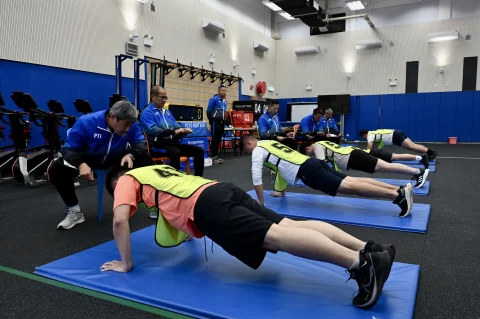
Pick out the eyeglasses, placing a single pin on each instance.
(162, 97)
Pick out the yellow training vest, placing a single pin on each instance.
(333, 148)
(283, 153)
(168, 180)
(379, 136)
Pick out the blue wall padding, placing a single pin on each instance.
(416, 116)
(432, 124)
(448, 116)
(476, 117)
(368, 115)
(464, 116)
(45, 83)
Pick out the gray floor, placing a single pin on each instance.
(447, 253)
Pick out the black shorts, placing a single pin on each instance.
(319, 175)
(235, 221)
(381, 154)
(362, 161)
(398, 137)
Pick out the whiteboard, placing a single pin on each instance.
(299, 111)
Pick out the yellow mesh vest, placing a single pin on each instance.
(333, 148)
(168, 180)
(379, 136)
(284, 153)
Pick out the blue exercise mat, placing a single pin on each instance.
(434, 162)
(180, 279)
(348, 210)
(397, 182)
(347, 145)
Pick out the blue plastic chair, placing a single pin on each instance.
(101, 179)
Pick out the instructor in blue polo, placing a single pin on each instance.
(216, 113)
(97, 141)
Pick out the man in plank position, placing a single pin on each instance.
(290, 165)
(242, 227)
(379, 138)
(345, 158)
(389, 156)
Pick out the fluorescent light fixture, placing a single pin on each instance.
(306, 50)
(355, 5)
(443, 36)
(271, 5)
(286, 15)
(143, 1)
(261, 46)
(213, 26)
(371, 43)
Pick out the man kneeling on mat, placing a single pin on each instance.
(379, 138)
(192, 206)
(290, 165)
(345, 158)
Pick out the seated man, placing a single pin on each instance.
(329, 127)
(165, 133)
(345, 158)
(97, 140)
(192, 206)
(290, 165)
(379, 138)
(269, 127)
(311, 127)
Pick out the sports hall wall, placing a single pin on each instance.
(65, 49)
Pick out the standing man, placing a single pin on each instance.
(216, 112)
(312, 127)
(165, 133)
(329, 127)
(97, 140)
(382, 137)
(269, 127)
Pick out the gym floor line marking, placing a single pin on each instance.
(468, 158)
(91, 293)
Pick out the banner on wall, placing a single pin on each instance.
(257, 107)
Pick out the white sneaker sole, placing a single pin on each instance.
(409, 198)
(424, 180)
(75, 223)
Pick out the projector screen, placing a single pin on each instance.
(297, 111)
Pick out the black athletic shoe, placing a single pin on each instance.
(421, 178)
(373, 247)
(432, 155)
(370, 276)
(404, 201)
(425, 161)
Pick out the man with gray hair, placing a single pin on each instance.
(97, 141)
(329, 127)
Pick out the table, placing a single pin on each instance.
(234, 138)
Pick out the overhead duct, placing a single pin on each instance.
(364, 16)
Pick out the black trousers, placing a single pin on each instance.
(217, 129)
(175, 151)
(62, 175)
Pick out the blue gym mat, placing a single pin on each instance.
(181, 280)
(347, 145)
(397, 182)
(434, 162)
(348, 210)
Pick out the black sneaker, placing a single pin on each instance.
(425, 161)
(432, 155)
(370, 276)
(372, 247)
(421, 178)
(403, 201)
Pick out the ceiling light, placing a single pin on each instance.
(443, 36)
(271, 5)
(286, 15)
(355, 5)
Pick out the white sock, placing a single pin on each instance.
(418, 158)
(356, 263)
(75, 208)
(417, 171)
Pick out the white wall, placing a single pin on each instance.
(87, 34)
(370, 69)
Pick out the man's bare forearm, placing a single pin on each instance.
(121, 232)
